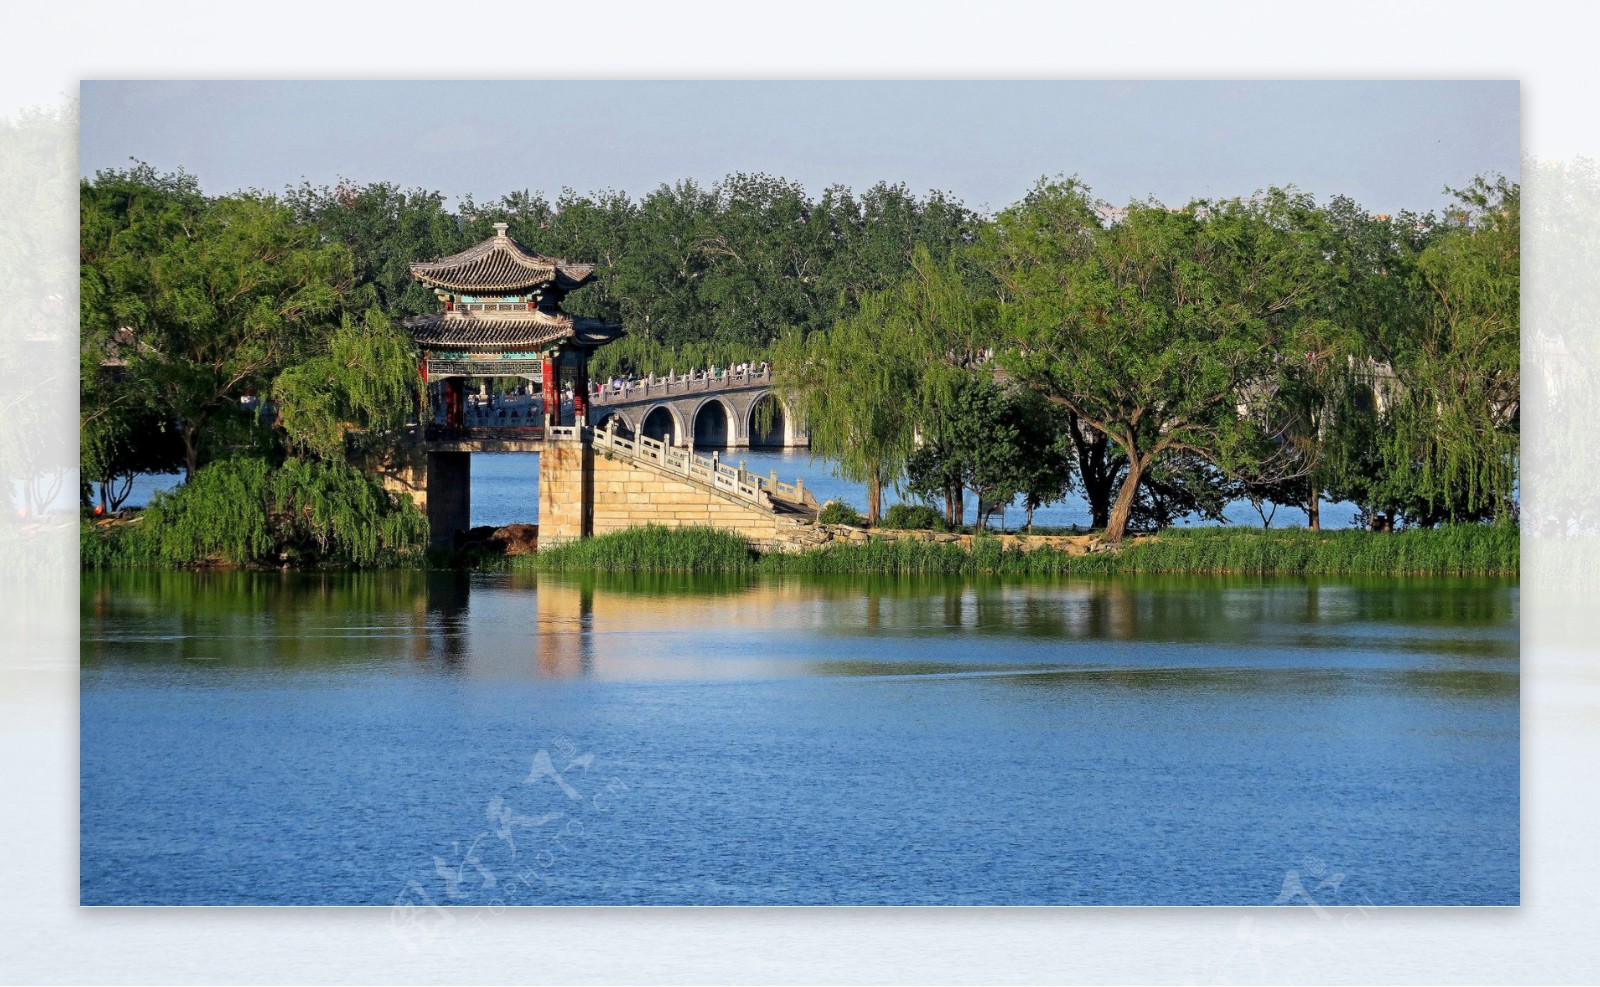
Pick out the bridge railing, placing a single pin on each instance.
(710, 470)
(688, 383)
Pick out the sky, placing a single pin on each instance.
(1388, 145)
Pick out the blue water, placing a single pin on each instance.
(411, 740)
(505, 490)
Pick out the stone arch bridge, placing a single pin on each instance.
(632, 462)
(702, 410)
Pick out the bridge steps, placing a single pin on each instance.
(766, 493)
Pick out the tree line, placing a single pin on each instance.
(199, 301)
(1166, 361)
(1161, 361)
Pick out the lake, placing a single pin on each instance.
(413, 740)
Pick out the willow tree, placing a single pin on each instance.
(862, 386)
(1154, 330)
(365, 384)
(857, 398)
(1450, 438)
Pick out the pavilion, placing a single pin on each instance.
(502, 317)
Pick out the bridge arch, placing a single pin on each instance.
(664, 423)
(782, 432)
(714, 424)
(621, 420)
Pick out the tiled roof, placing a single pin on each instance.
(531, 330)
(500, 264)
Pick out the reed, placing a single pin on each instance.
(651, 548)
(1461, 550)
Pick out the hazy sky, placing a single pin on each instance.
(1390, 145)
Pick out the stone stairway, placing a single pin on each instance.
(765, 493)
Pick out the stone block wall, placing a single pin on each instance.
(566, 492)
(630, 496)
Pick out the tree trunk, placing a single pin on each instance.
(1117, 523)
(191, 451)
(120, 494)
(1030, 517)
(1092, 470)
(1314, 510)
(874, 498)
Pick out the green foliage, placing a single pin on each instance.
(990, 441)
(862, 386)
(244, 512)
(1455, 550)
(385, 228)
(729, 267)
(913, 517)
(366, 382)
(1151, 329)
(838, 512)
(205, 299)
(651, 548)
(1450, 439)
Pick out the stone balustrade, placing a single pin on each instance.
(673, 384)
(767, 492)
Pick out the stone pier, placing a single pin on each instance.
(566, 486)
(439, 482)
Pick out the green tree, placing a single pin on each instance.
(857, 393)
(1450, 445)
(213, 297)
(366, 385)
(1046, 450)
(1152, 329)
(657, 281)
(385, 228)
(972, 443)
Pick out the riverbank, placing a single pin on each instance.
(1462, 550)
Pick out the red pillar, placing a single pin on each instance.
(454, 410)
(552, 400)
(580, 388)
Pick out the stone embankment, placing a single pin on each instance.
(824, 534)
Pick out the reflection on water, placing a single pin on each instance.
(1128, 740)
(643, 625)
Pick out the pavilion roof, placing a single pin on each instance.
(500, 264)
(515, 331)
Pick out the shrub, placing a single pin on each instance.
(838, 512)
(913, 517)
(244, 512)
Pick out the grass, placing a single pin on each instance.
(1464, 550)
(651, 548)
